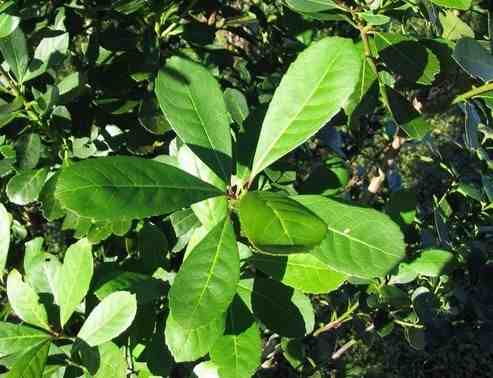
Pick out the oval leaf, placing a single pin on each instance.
(120, 187)
(279, 225)
(109, 318)
(31, 363)
(432, 262)
(361, 242)
(307, 99)
(474, 59)
(301, 271)
(193, 103)
(457, 4)
(206, 282)
(15, 338)
(74, 278)
(25, 301)
(25, 187)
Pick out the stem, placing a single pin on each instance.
(12, 83)
(337, 323)
(406, 324)
(473, 93)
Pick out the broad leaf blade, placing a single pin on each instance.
(474, 59)
(31, 363)
(237, 353)
(279, 225)
(456, 4)
(5, 222)
(15, 338)
(25, 301)
(313, 90)
(206, 282)
(361, 242)
(74, 278)
(25, 187)
(192, 343)
(268, 299)
(109, 318)
(303, 271)
(112, 362)
(193, 103)
(14, 51)
(120, 187)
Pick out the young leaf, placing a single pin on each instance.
(457, 4)
(193, 103)
(25, 187)
(112, 362)
(474, 59)
(190, 344)
(16, 338)
(279, 225)
(361, 242)
(303, 271)
(31, 363)
(307, 99)
(25, 301)
(74, 278)
(14, 51)
(5, 222)
(237, 353)
(269, 299)
(121, 187)
(453, 27)
(206, 282)
(112, 316)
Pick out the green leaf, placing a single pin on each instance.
(16, 338)
(304, 272)
(407, 58)
(112, 362)
(74, 278)
(310, 6)
(193, 103)
(14, 51)
(28, 149)
(8, 23)
(120, 187)
(237, 105)
(453, 27)
(210, 211)
(279, 225)
(237, 353)
(361, 242)
(49, 53)
(112, 316)
(432, 262)
(456, 4)
(206, 282)
(24, 188)
(307, 99)
(190, 344)
(282, 309)
(5, 222)
(25, 301)
(406, 116)
(474, 59)
(31, 363)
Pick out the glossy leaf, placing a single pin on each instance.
(74, 278)
(8, 23)
(432, 262)
(16, 338)
(112, 362)
(25, 187)
(116, 188)
(307, 99)
(456, 4)
(304, 272)
(282, 309)
(28, 149)
(361, 242)
(5, 222)
(453, 27)
(474, 59)
(31, 363)
(206, 282)
(279, 225)
(190, 344)
(193, 103)
(112, 316)
(237, 353)
(25, 302)
(237, 105)
(14, 51)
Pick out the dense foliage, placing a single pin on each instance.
(242, 188)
